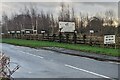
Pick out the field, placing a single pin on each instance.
(80, 47)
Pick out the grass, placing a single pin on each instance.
(80, 47)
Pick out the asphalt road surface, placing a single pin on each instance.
(38, 63)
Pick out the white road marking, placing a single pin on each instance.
(70, 66)
(32, 54)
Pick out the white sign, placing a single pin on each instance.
(67, 26)
(27, 32)
(91, 31)
(109, 39)
(17, 31)
(12, 31)
(42, 32)
(8, 32)
(2, 33)
(34, 30)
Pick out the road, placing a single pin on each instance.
(39, 63)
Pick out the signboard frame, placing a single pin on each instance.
(67, 26)
(109, 39)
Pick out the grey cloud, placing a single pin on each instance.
(101, 3)
(90, 7)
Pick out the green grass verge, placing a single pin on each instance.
(86, 48)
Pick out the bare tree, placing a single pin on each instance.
(109, 13)
(33, 11)
(52, 23)
(73, 14)
(5, 21)
(64, 14)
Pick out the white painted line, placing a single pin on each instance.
(87, 71)
(32, 54)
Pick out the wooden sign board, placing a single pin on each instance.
(67, 26)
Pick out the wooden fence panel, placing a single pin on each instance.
(90, 40)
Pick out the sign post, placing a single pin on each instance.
(75, 36)
(91, 32)
(66, 27)
(109, 39)
(43, 32)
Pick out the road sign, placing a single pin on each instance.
(67, 26)
(109, 39)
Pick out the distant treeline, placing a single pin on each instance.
(30, 19)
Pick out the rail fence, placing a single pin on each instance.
(73, 39)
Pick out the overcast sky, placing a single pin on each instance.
(92, 7)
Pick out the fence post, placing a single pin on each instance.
(67, 38)
(42, 36)
(60, 35)
(84, 39)
(75, 37)
(54, 35)
(48, 36)
(91, 43)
